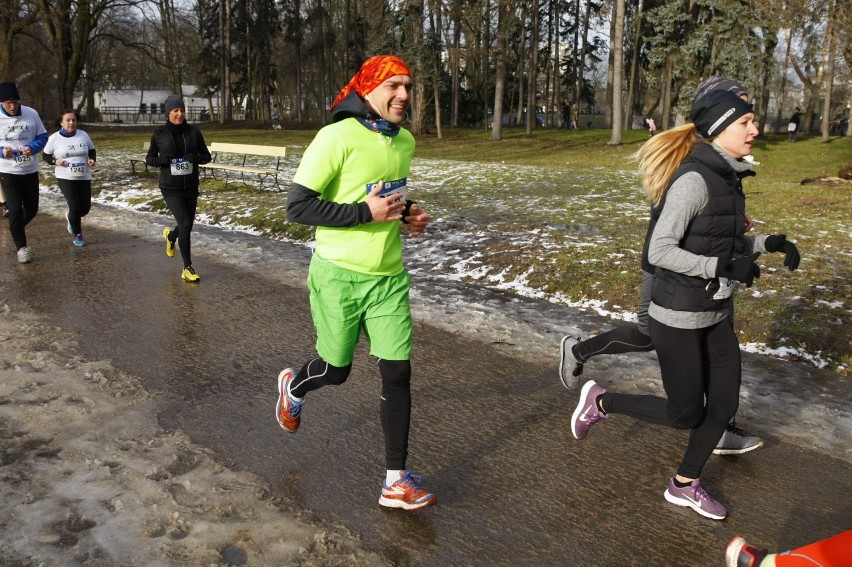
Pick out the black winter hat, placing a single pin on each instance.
(717, 83)
(718, 110)
(9, 91)
(174, 101)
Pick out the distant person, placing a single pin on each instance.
(276, 118)
(793, 125)
(178, 148)
(834, 551)
(351, 185)
(575, 116)
(73, 154)
(22, 137)
(652, 125)
(575, 353)
(566, 116)
(699, 251)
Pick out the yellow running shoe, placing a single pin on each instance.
(188, 274)
(170, 246)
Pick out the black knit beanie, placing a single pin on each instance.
(174, 101)
(718, 110)
(717, 83)
(9, 91)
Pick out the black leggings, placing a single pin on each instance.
(183, 208)
(614, 341)
(21, 202)
(78, 195)
(394, 408)
(701, 371)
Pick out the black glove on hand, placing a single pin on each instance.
(164, 161)
(191, 157)
(742, 269)
(778, 243)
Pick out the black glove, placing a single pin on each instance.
(778, 243)
(164, 161)
(742, 269)
(191, 157)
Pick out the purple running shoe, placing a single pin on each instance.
(694, 496)
(587, 412)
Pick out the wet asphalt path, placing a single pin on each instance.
(490, 432)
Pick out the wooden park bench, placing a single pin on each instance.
(235, 158)
(134, 161)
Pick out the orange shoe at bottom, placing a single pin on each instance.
(407, 494)
(287, 412)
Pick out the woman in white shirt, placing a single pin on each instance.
(72, 153)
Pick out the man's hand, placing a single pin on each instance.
(27, 151)
(417, 220)
(385, 209)
(749, 223)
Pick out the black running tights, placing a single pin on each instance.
(21, 202)
(614, 341)
(183, 208)
(701, 375)
(78, 195)
(394, 408)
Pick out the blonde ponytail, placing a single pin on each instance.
(660, 157)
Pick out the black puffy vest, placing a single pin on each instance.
(716, 231)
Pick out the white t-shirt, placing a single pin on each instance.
(75, 151)
(17, 132)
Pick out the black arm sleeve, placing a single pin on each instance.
(152, 157)
(203, 153)
(305, 207)
(93, 154)
(48, 158)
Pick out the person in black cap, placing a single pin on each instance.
(697, 247)
(575, 353)
(22, 137)
(178, 148)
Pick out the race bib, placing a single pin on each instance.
(726, 288)
(181, 167)
(22, 160)
(390, 187)
(77, 169)
(791, 127)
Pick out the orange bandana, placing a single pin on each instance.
(373, 73)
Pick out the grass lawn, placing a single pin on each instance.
(582, 201)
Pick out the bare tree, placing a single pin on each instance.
(618, 74)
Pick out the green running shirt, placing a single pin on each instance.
(340, 162)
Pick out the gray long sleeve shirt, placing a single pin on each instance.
(685, 199)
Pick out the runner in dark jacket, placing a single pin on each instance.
(177, 149)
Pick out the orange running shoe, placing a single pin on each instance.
(287, 412)
(406, 494)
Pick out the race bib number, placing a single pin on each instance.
(181, 167)
(77, 169)
(390, 187)
(22, 160)
(726, 288)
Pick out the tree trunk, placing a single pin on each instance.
(618, 75)
(486, 49)
(783, 98)
(829, 77)
(500, 78)
(533, 68)
(632, 88)
(455, 62)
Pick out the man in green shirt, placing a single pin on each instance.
(351, 185)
